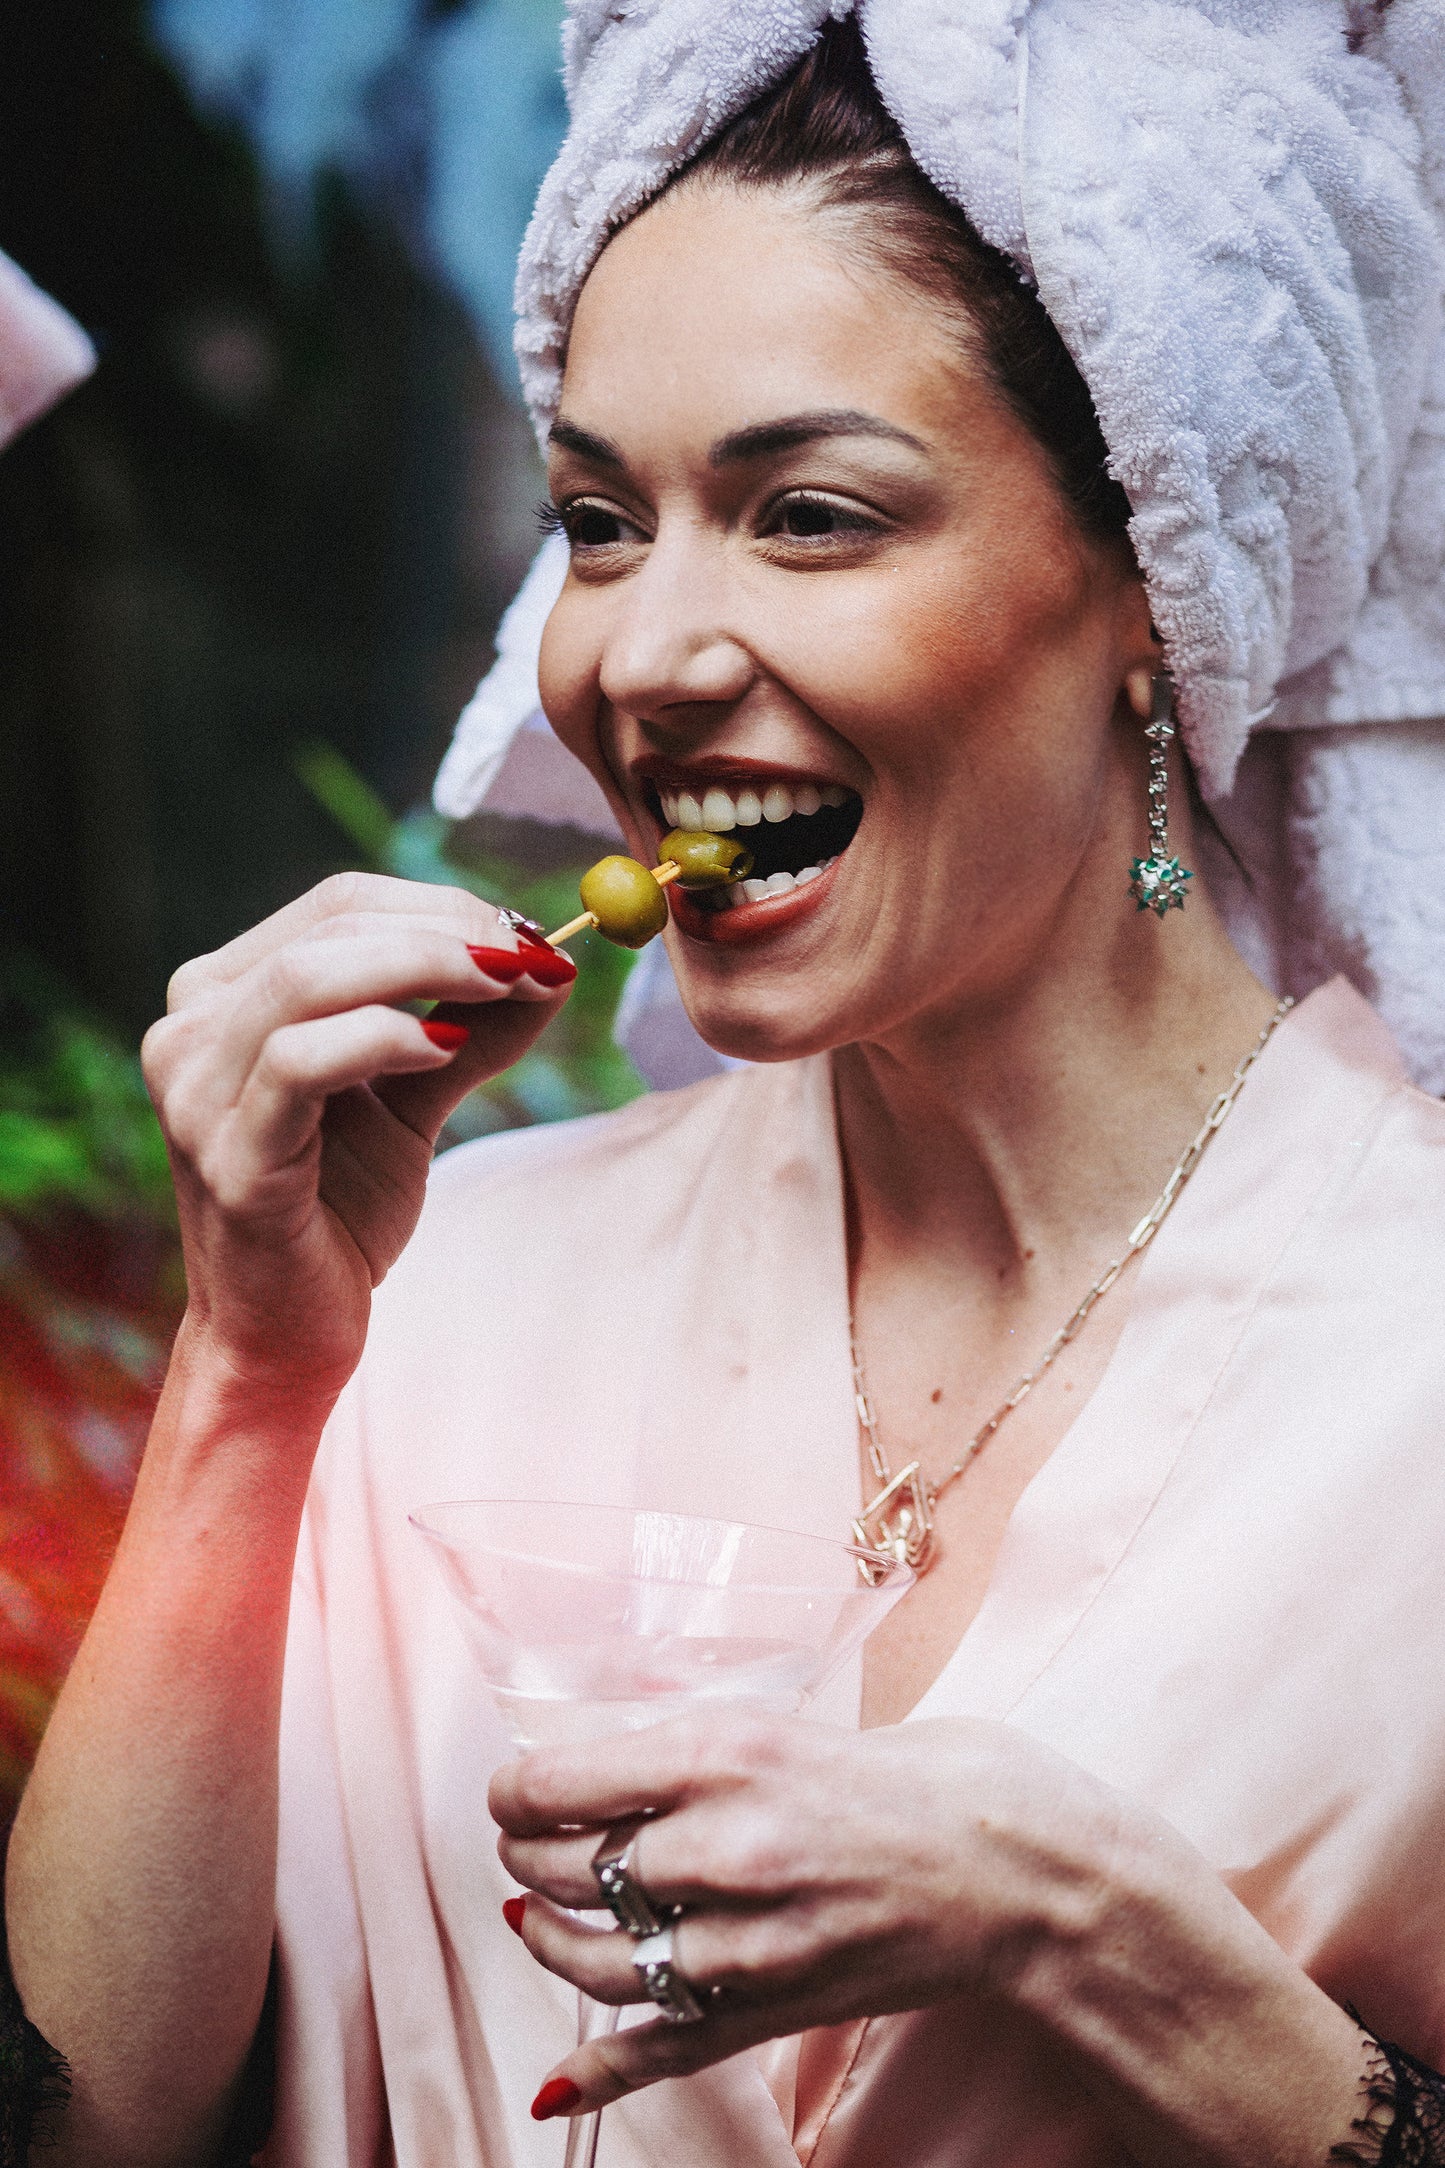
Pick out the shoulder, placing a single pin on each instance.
(553, 1163)
(559, 1277)
(590, 1139)
(1335, 1100)
(1387, 1136)
(535, 1204)
(1363, 1151)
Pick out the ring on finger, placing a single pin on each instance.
(666, 1983)
(615, 1870)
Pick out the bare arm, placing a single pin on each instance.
(141, 1884)
(300, 1108)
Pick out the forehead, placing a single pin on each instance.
(718, 305)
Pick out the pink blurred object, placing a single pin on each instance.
(43, 352)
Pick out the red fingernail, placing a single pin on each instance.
(502, 964)
(447, 1036)
(512, 1912)
(559, 2096)
(549, 966)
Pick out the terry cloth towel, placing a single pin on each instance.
(43, 352)
(1234, 211)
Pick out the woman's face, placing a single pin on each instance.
(820, 571)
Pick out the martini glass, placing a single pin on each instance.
(592, 1620)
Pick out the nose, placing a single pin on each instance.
(669, 652)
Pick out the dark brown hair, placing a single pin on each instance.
(825, 125)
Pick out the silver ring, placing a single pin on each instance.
(622, 1891)
(664, 1979)
(519, 923)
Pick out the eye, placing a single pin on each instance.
(807, 516)
(589, 524)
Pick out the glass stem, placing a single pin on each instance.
(593, 2019)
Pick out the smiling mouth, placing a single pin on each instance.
(794, 831)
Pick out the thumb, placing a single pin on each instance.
(498, 1034)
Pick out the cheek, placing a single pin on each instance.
(568, 668)
(567, 675)
(923, 661)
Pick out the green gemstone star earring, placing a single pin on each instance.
(1159, 883)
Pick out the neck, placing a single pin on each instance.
(1009, 1142)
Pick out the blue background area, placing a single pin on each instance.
(447, 120)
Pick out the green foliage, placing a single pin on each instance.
(91, 1288)
(76, 1125)
(574, 1067)
(347, 797)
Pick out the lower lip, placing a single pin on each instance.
(741, 923)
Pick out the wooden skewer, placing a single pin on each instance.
(573, 925)
(667, 871)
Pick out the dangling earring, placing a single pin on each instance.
(1158, 882)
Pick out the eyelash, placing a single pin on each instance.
(553, 518)
(558, 519)
(850, 519)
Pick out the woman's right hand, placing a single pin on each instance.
(300, 1109)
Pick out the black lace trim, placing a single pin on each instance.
(255, 2108)
(1403, 2119)
(34, 2081)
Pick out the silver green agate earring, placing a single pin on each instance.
(1159, 883)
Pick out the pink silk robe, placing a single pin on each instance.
(1223, 1593)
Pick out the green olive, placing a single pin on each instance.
(625, 900)
(707, 861)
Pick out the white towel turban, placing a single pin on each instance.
(1234, 212)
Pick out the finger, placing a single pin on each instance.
(497, 1035)
(343, 895)
(671, 1856)
(559, 1866)
(299, 1069)
(318, 978)
(598, 1959)
(740, 2016)
(623, 2062)
(756, 1957)
(608, 1780)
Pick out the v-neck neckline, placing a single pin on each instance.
(749, 1320)
(1193, 1294)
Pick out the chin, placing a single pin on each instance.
(751, 1024)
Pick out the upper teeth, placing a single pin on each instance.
(718, 810)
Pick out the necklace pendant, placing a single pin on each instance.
(899, 1523)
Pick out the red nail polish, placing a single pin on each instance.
(559, 2096)
(502, 964)
(512, 1912)
(549, 966)
(447, 1036)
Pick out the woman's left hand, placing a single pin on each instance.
(825, 1874)
(829, 1875)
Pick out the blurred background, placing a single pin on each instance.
(249, 575)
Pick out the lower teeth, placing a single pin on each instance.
(777, 884)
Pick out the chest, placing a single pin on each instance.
(930, 1406)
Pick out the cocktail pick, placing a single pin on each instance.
(624, 899)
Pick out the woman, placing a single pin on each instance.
(841, 542)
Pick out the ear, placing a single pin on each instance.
(1141, 652)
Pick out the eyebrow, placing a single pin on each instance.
(785, 435)
(601, 451)
(760, 440)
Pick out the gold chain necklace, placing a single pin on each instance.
(899, 1521)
